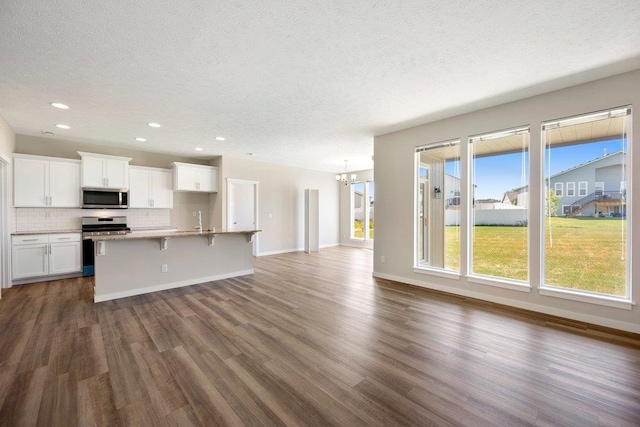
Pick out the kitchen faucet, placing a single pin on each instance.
(199, 226)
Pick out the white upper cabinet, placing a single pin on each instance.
(150, 188)
(102, 171)
(190, 177)
(45, 182)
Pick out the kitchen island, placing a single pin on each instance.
(150, 261)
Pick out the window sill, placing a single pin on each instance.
(505, 284)
(431, 271)
(588, 298)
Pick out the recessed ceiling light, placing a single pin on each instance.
(249, 154)
(141, 139)
(199, 149)
(61, 126)
(47, 133)
(154, 125)
(60, 105)
(219, 138)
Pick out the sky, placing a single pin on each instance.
(495, 175)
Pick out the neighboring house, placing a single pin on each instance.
(593, 188)
(359, 205)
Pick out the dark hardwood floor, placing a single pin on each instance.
(307, 340)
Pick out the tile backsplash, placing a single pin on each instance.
(50, 219)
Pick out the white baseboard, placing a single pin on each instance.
(44, 278)
(290, 250)
(173, 285)
(601, 321)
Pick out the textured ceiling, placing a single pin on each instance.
(304, 83)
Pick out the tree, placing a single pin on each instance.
(551, 203)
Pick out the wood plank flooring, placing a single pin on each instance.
(309, 339)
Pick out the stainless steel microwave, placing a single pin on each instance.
(108, 198)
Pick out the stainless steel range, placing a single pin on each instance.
(98, 226)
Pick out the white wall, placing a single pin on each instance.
(7, 140)
(281, 203)
(345, 206)
(394, 154)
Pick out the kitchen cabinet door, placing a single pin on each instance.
(65, 258)
(29, 260)
(93, 172)
(208, 179)
(116, 173)
(30, 182)
(64, 184)
(161, 189)
(189, 177)
(102, 171)
(139, 185)
(186, 178)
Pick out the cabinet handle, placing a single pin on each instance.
(63, 238)
(29, 240)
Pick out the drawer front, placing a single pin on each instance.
(66, 237)
(29, 239)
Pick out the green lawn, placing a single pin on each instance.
(586, 254)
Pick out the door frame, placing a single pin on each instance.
(256, 186)
(5, 247)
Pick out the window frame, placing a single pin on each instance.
(586, 188)
(610, 300)
(571, 186)
(559, 185)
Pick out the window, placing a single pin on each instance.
(586, 241)
(500, 210)
(571, 189)
(583, 188)
(558, 186)
(437, 235)
(362, 210)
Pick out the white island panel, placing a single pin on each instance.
(134, 265)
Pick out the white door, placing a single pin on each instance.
(242, 203)
(93, 172)
(162, 190)
(117, 173)
(30, 260)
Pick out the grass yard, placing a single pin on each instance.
(587, 253)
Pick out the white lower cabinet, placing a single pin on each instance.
(40, 255)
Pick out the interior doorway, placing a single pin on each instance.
(242, 207)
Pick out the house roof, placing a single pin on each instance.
(591, 162)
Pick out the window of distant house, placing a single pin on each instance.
(437, 235)
(558, 187)
(583, 188)
(571, 189)
(586, 239)
(500, 205)
(362, 212)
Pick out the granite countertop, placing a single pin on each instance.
(155, 234)
(30, 233)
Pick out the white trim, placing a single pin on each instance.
(433, 271)
(46, 278)
(586, 188)
(581, 317)
(559, 185)
(5, 238)
(513, 285)
(279, 252)
(256, 199)
(573, 189)
(173, 285)
(288, 251)
(586, 297)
